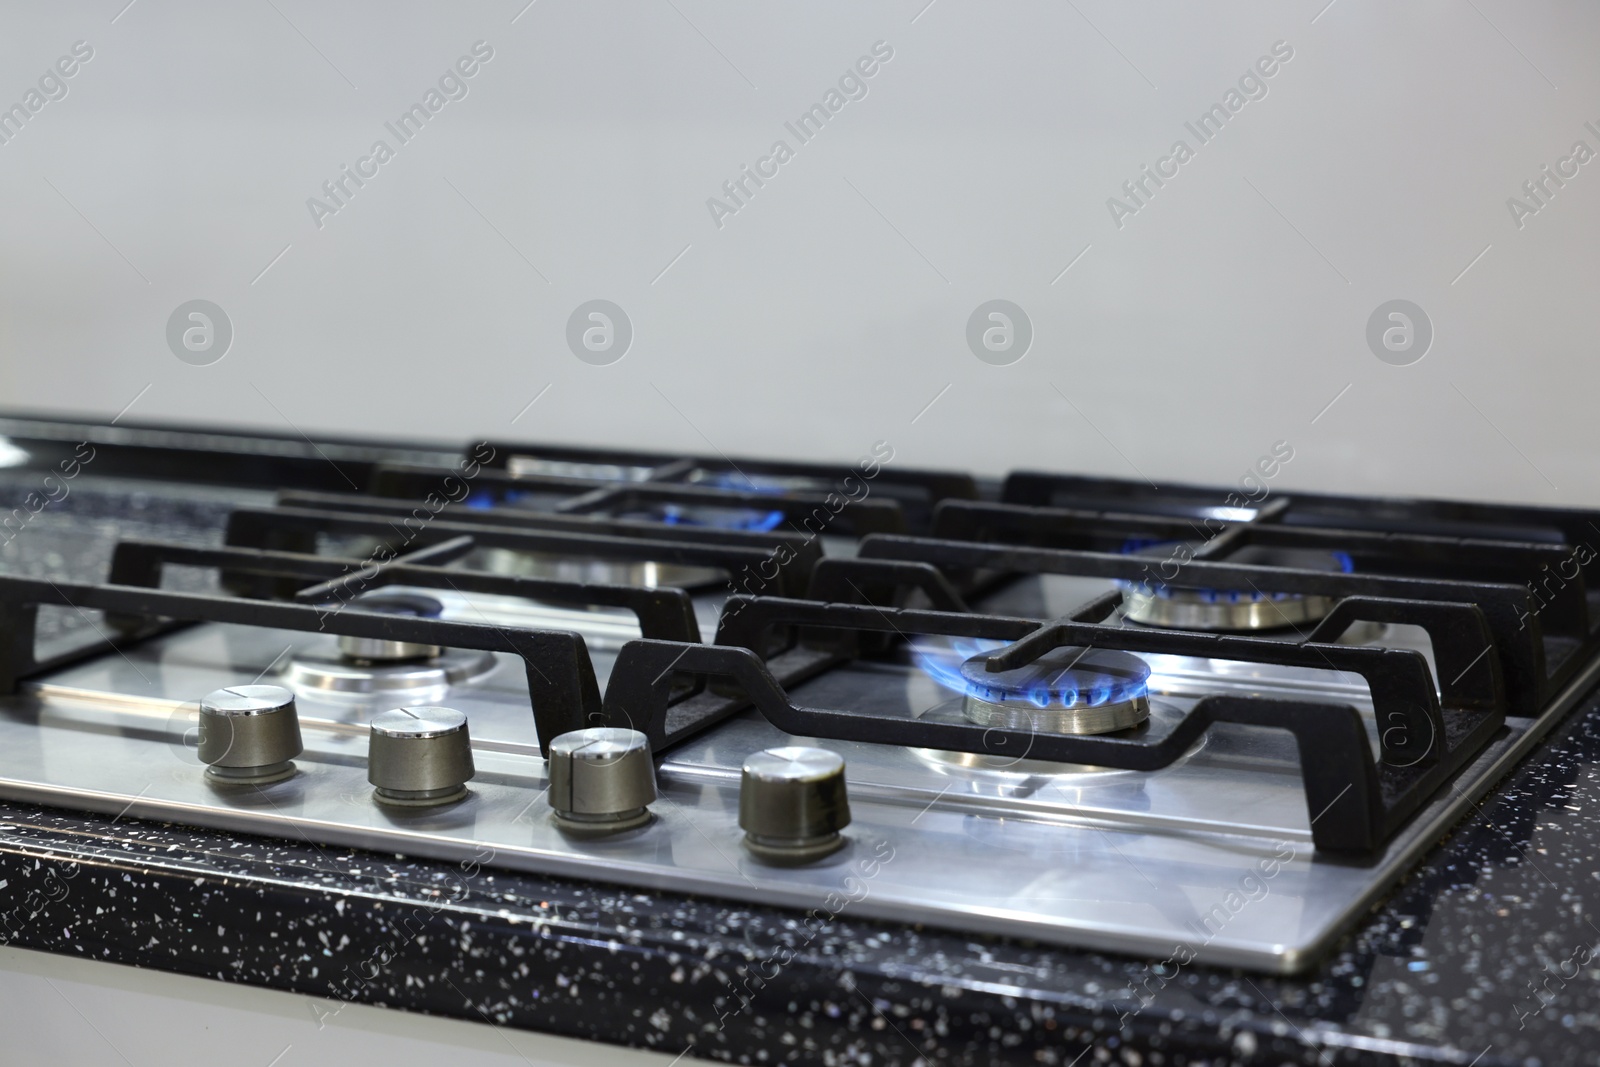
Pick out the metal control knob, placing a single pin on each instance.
(379, 650)
(792, 803)
(419, 756)
(601, 779)
(249, 733)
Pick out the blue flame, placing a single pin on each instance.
(671, 514)
(721, 518)
(943, 663)
(1085, 684)
(746, 483)
(489, 499)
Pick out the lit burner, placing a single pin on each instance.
(715, 518)
(1189, 608)
(491, 499)
(1064, 691)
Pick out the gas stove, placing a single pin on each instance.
(1167, 722)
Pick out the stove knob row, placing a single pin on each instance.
(602, 779)
(249, 734)
(419, 756)
(792, 803)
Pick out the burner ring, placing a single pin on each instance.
(318, 670)
(1064, 691)
(1188, 609)
(1181, 607)
(369, 650)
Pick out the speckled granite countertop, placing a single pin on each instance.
(1487, 954)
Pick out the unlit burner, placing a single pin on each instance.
(1064, 691)
(372, 665)
(1178, 607)
(378, 650)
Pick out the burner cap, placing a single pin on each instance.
(1065, 691)
(413, 604)
(1193, 608)
(377, 650)
(325, 672)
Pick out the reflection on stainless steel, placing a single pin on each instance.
(607, 571)
(530, 466)
(322, 668)
(11, 455)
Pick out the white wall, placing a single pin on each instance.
(828, 312)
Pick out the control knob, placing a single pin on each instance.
(601, 779)
(792, 803)
(419, 756)
(249, 734)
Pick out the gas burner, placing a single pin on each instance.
(1019, 775)
(1188, 608)
(368, 650)
(364, 665)
(712, 517)
(1064, 691)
